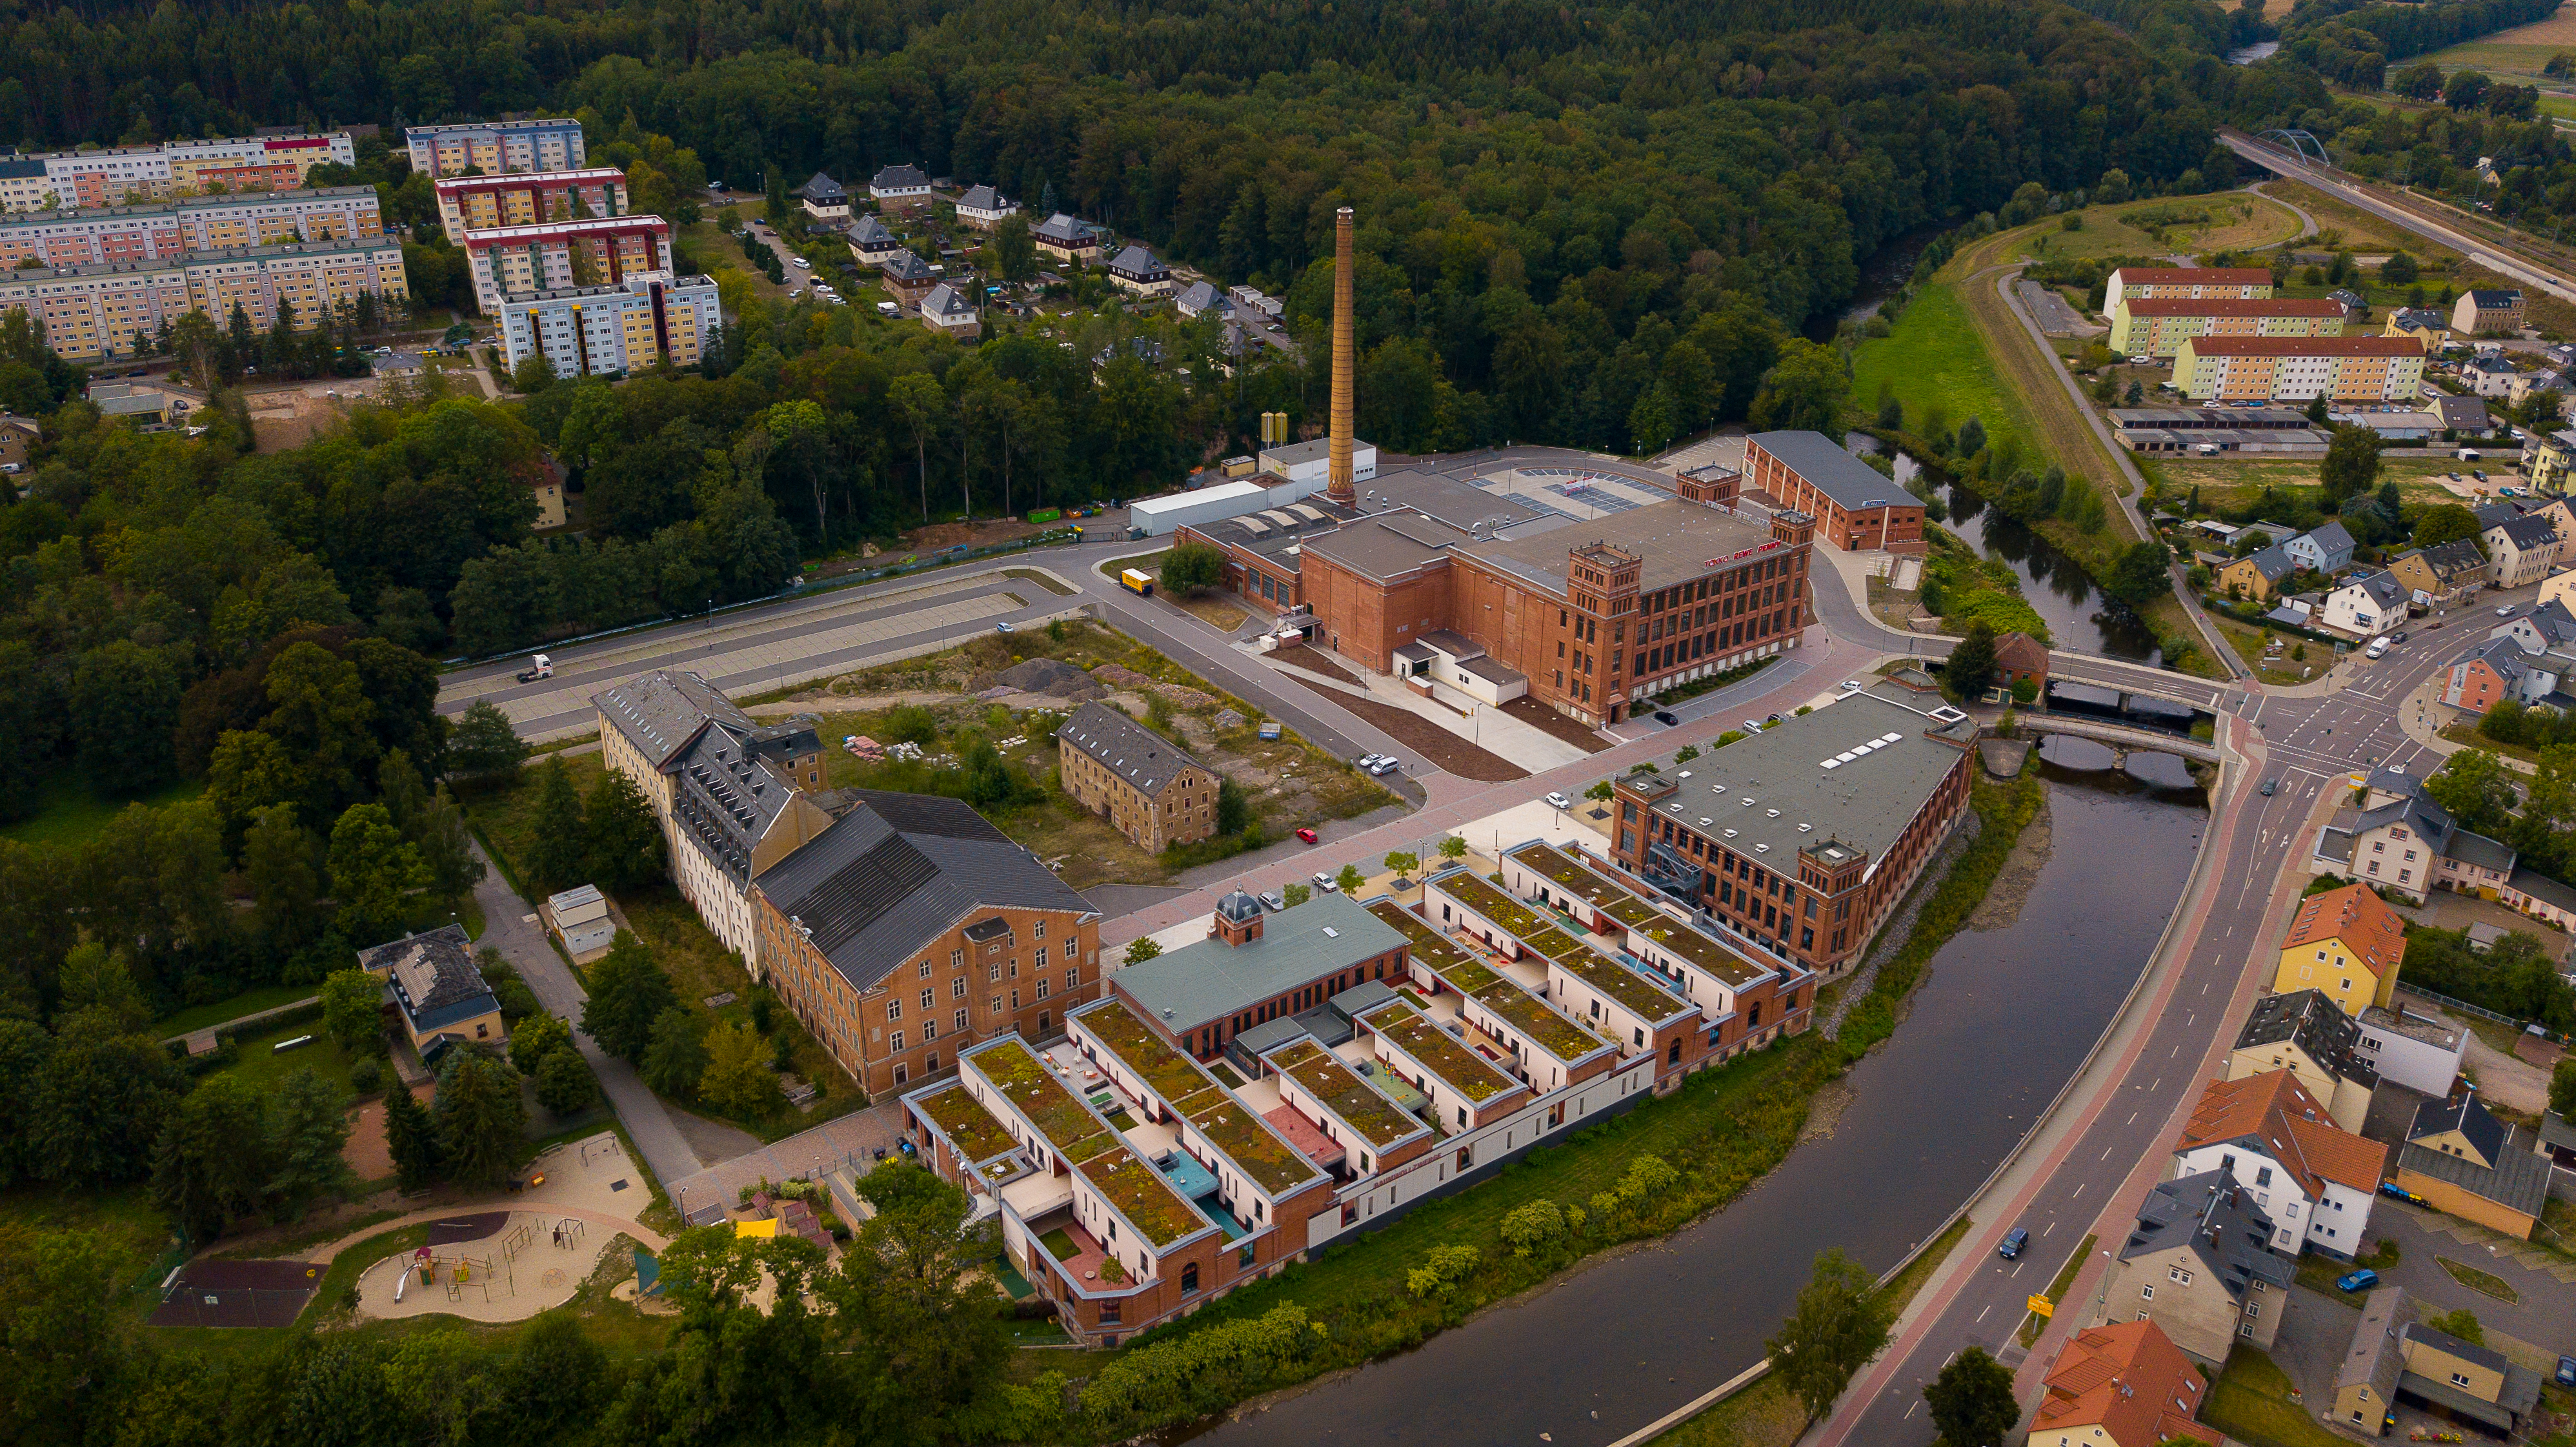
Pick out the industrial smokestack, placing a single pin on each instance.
(1337, 478)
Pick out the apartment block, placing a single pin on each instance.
(122, 175)
(170, 230)
(496, 147)
(641, 322)
(2158, 326)
(1803, 838)
(2294, 369)
(2145, 283)
(478, 203)
(512, 261)
(99, 311)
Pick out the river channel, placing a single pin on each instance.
(1994, 1032)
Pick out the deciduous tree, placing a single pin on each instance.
(628, 992)
(1972, 1400)
(677, 1056)
(1838, 1324)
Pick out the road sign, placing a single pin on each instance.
(2042, 1306)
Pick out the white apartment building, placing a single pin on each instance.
(99, 311)
(496, 147)
(119, 175)
(169, 230)
(646, 319)
(508, 261)
(2316, 1180)
(478, 203)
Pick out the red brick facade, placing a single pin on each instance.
(1895, 526)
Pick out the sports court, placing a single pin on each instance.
(238, 1293)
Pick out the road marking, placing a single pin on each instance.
(1981, 1316)
(2132, 1120)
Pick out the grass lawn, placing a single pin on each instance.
(2467, 733)
(2057, 1288)
(1213, 610)
(2228, 485)
(2360, 230)
(2233, 222)
(2270, 667)
(2486, 1282)
(2250, 1402)
(248, 1002)
(1933, 361)
(69, 811)
(2319, 1275)
(264, 1069)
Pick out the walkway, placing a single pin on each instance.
(202, 1041)
(510, 926)
(646, 1235)
(845, 1142)
(2122, 738)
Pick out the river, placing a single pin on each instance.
(2063, 594)
(1929, 1115)
(1882, 274)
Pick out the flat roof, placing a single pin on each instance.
(1474, 1078)
(1650, 1001)
(1353, 1101)
(1223, 1121)
(1674, 541)
(1157, 506)
(1703, 950)
(1212, 980)
(2304, 346)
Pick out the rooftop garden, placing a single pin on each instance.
(1541, 1023)
(1321, 1075)
(1461, 971)
(1634, 992)
(967, 1124)
(1553, 943)
(1430, 1046)
(1272, 1163)
(1140, 1194)
(1472, 890)
(1701, 949)
(1547, 861)
(1041, 1099)
(1166, 1072)
(1620, 903)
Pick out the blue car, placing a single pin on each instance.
(2567, 1371)
(2014, 1240)
(2361, 1280)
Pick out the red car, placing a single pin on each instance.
(1306, 836)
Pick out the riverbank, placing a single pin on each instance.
(1659, 1168)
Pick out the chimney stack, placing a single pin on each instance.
(1337, 478)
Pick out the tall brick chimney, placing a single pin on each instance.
(1337, 479)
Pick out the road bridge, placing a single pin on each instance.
(2123, 739)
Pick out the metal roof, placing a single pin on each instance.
(1210, 980)
(1828, 468)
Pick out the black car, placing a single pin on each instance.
(2269, 786)
(1667, 718)
(2397, 637)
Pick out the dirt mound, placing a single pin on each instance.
(1179, 694)
(1052, 677)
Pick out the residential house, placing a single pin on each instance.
(2158, 326)
(734, 797)
(2352, 304)
(2484, 676)
(2312, 1178)
(2142, 282)
(907, 279)
(2020, 658)
(2366, 1380)
(2546, 459)
(2539, 896)
(2198, 1265)
(17, 436)
(2433, 573)
(2466, 1383)
(547, 485)
(2466, 416)
(1140, 272)
(2258, 573)
(2362, 369)
(2467, 1163)
(2367, 606)
(2520, 551)
(1142, 783)
(2326, 549)
(2121, 1384)
(2546, 626)
(2306, 1033)
(2412, 1048)
(911, 928)
(2426, 325)
(2559, 591)
(900, 187)
(2481, 312)
(438, 992)
(823, 199)
(1067, 239)
(871, 245)
(2489, 374)
(2347, 943)
(1201, 296)
(2525, 384)
(2400, 840)
(983, 207)
(949, 312)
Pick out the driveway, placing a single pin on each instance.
(2546, 1314)
(510, 926)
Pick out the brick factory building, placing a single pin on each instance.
(1147, 788)
(1855, 508)
(1804, 837)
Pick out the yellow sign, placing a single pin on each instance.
(2042, 1306)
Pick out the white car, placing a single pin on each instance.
(2505, 612)
(1325, 883)
(1559, 801)
(800, 263)
(1852, 685)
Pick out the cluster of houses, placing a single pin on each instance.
(2521, 541)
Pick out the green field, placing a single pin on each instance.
(263, 1069)
(1933, 359)
(248, 1002)
(2235, 222)
(68, 811)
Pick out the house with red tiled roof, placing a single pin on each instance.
(2121, 1384)
(2314, 1179)
(2349, 942)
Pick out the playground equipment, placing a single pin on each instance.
(460, 1274)
(568, 1232)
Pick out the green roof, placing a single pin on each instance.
(1165, 1071)
(1461, 971)
(1195, 1096)
(1640, 996)
(1144, 1197)
(1701, 949)
(1479, 894)
(967, 1124)
(1038, 1096)
(1545, 1028)
(1255, 1148)
(1465, 1072)
(1322, 1075)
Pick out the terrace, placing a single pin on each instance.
(1455, 967)
(1051, 1110)
(1397, 1088)
(1650, 997)
(1478, 894)
(968, 1125)
(1076, 1252)
(1321, 1074)
(1195, 1096)
(1303, 1134)
(1408, 1030)
(1166, 1072)
(1704, 951)
(1143, 1196)
(1259, 1153)
(1539, 1022)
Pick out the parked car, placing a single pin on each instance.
(800, 263)
(1667, 717)
(1753, 726)
(1386, 764)
(2397, 637)
(1558, 801)
(1003, 627)
(1305, 836)
(2014, 1239)
(1325, 883)
(2567, 1371)
(2361, 1280)
(1273, 899)
(1853, 685)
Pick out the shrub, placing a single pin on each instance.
(1442, 1267)
(366, 1075)
(1533, 1225)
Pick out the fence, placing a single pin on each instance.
(2483, 1013)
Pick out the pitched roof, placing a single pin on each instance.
(2491, 300)
(1828, 468)
(2419, 318)
(2465, 414)
(2467, 1115)
(2274, 562)
(870, 233)
(2193, 276)
(2305, 347)
(2130, 1380)
(1135, 260)
(2448, 560)
(982, 198)
(2501, 654)
(662, 712)
(2358, 917)
(2377, 1355)
(2527, 532)
(2331, 538)
(2381, 588)
(1066, 230)
(947, 304)
(822, 188)
(2274, 1114)
(433, 976)
(2313, 1022)
(903, 177)
(906, 267)
(899, 870)
(1125, 747)
(2212, 1216)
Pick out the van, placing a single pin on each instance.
(2014, 1239)
(2378, 648)
(889, 309)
